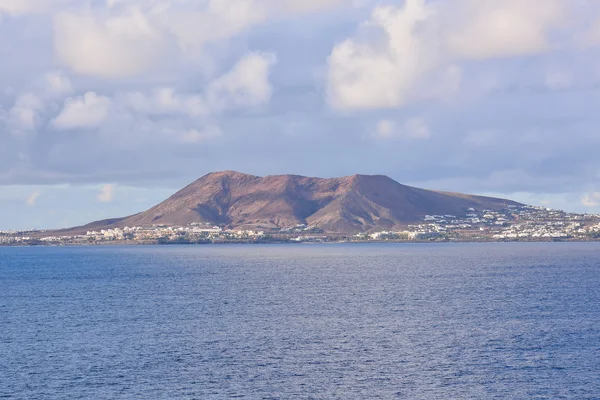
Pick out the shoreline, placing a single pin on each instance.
(288, 242)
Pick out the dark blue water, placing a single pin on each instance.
(486, 321)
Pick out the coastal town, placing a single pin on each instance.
(515, 223)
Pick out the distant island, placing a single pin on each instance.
(230, 206)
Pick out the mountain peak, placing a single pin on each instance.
(228, 174)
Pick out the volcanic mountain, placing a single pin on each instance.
(357, 203)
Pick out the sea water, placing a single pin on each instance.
(439, 321)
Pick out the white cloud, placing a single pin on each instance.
(381, 69)
(32, 199)
(301, 6)
(164, 115)
(238, 8)
(417, 128)
(491, 28)
(31, 6)
(57, 84)
(125, 38)
(24, 115)
(192, 136)
(246, 85)
(386, 129)
(413, 128)
(28, 113)
(413, 51)
(83, 112)
(106, 194)
(166, 101)
(117, 46)
(591, 200)
(194, 26)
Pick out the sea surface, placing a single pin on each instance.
(372, 321)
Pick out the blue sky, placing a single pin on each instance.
(109, 106)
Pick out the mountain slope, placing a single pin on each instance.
(356, 203)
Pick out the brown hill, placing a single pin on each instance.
(351, 204)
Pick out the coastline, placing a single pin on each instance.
(130, 243)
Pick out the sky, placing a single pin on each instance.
(107, 107)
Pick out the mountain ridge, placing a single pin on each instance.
(350, 204)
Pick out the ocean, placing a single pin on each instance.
(322, 321)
